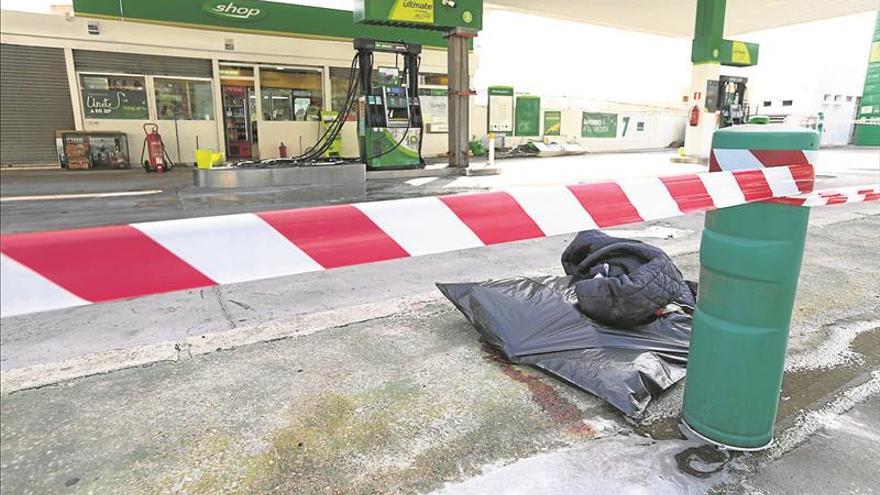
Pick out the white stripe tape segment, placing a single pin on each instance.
(23, 290)
(723, 188)
(650, 198)
(230, 248)
(554, 209)
(421, 225)
(780, 181)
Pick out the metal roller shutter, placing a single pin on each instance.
(35, 98)
(132, 63)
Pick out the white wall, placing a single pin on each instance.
(297, 136)
(838, 123)
(662, 127)
(545, 56)
(809, 60)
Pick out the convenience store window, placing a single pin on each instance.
(291, 94)
(431, 79)
(112, 96)
(339, 78)
(183, 99)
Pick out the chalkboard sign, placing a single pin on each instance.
(115, 104)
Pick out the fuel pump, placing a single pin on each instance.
(732, 100)
(389, 112)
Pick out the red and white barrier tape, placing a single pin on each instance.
(43, 271)
(731, 160)
(854, 194)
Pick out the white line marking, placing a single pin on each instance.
(79, 196)
(421, 225)
(555, 209)
(231, 248)
(421, 181)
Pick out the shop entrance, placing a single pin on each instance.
(239, 112)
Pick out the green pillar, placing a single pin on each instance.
(868, 133)
(750, 259)
(708, 31)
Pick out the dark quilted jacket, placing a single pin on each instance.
(622, 282)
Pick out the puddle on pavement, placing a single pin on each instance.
(703, 461)
(800, 389)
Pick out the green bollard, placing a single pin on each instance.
(750, 259)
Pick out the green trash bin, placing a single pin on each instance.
(750, 259)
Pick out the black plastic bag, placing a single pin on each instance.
(540, 321)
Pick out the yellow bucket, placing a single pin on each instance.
(205, 158)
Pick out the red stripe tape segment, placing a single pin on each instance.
(606, 203)
(103, 263)
(335, 236)
(495, 217)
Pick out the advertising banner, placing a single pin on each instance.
(598, 125)
(552, 123)
(528, 115)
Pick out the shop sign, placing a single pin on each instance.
(552, 123)
(287, 19)
(413, 11)
(239, 10)
(599, 125)
(114, 104)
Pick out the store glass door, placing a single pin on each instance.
(237, 117)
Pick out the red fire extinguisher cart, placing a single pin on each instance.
(158, 159)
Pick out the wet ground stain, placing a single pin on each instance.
(391, 439)
(800, 389)
(560, 410)
(804, 388)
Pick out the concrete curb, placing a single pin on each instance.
(118, 359)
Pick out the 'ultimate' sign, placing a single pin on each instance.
(413, 11)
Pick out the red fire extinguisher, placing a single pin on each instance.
(694, 118)
(282, 151)
(154, 148)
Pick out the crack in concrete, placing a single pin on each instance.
(224, 309)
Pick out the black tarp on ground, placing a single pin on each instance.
(544, 322)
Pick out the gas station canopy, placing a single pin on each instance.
(676, 17)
